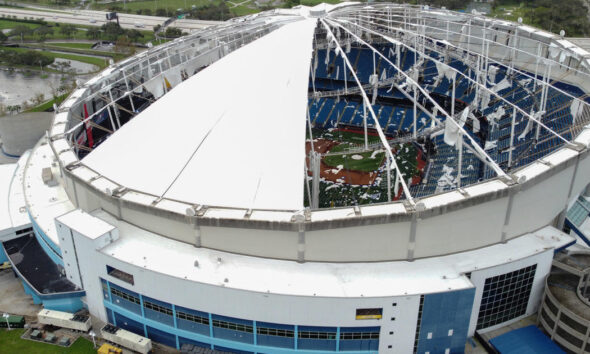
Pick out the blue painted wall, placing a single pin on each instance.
(50, 248)
(222, 332)
(443, 312)
(68, 304)
(3, 257)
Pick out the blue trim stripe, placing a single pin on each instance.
(214, 341)
(50, 248)
(172, 333)
(577, 231)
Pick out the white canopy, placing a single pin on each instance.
(232, 135)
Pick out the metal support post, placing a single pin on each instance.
(511, 138)
(388, 166)
(415, 118)
(460, 161)
(115, 109)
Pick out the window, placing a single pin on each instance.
(418, 323)
(275, 332)
(233, 326)
(124, 295)
(505, 297)
(151, 306)
(316, 335)
(119, 274)
(359, 335)
(192, 318)
(369, 314)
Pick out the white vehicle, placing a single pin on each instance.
(138, 24)
(92, 20)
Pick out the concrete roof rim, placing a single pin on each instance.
(357, 220)
(486, 180)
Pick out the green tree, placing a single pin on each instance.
(93, 33)
(43, 32)
(172, 32)
(112, 30)
(3, 37)
(123, 45)
(134, 35)
(34, 58)
(67, 30)
(20, 30)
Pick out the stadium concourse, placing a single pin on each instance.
(342, 178)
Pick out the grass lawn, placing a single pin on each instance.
(6, 24)
(365, 164)
(356, 138)
(132, 6)
(172, 5)
(243, 10)
(45, 106)
(10, 342)
(148, 36)
(100, 62)
(316, 2)
(406, 159)
(72, 45)
(510, 12)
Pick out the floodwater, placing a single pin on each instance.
(17, 87)
(77, 66)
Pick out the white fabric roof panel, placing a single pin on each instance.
(232, 135)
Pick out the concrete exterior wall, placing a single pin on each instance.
(275, 308)
(436, 231)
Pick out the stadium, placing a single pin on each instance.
(352, 177)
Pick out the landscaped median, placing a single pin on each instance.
(11, 342)
(100, 62)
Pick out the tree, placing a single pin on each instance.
(20, 30)
(172, 32)
(43, 32)
(134, 35)
(33, 58)
(123, 45)
(93, 33)
(112, 30)
(67, 30)
(3, 37)
(38, 99)
(63, 66)
(14, 108)
(161, 12)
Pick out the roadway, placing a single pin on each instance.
(98, 18)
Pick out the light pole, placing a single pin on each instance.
(92, 334)
(5, 315)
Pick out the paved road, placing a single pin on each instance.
(97, 18)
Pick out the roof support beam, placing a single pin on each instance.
(370, 108)
(481, 152)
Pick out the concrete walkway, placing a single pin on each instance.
(13, 299)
